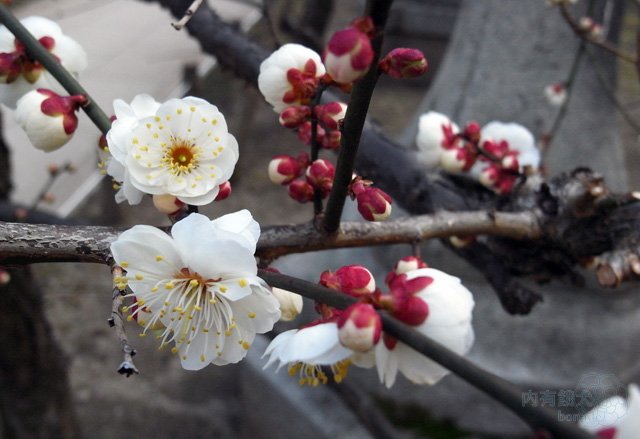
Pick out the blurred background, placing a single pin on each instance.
(489, 60)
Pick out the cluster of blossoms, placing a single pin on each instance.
(615, 418)
(496, 155)
(42, 110)
(292, 80)
(434, 303)
(179, 151)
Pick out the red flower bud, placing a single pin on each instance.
(359, 327)
(283, 169)
(301, 191)
(373, 204)
(330, 115)
(304, 133)
(348, 55)
(224, 191)
(404, 63)
(364, 25)
(411, 310)
(320, 175)
(354, 280)
(405, 265)
(472, 132)
(331, 140)
(294, 116)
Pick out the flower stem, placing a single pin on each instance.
(354, 122)
(40, 54)
(538, 418)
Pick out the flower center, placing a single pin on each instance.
(181, 156)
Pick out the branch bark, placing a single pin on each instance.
(30, 243)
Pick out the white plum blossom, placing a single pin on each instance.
(181, 148)
(289, 76)
(306, 350)
(435, 131)
(449, 323)
(201, 283)
(127, 118)
(519, 139)
(615, 418)
(449, 308)
(19, 73)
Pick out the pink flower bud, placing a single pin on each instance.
(354, 280)
(48, 119)
(405, 265)
(405, 304)
(304, 133)
(283, 169)
(590, 27)
(364, 25)
(348, 55)
(331, 140)
(53, 169)
(471, 132)
(411, 310)
(301, 191)
(320, 175)
(294, 116)
(167, 204)
(373, 204)
(404, 63)
(330, 115)
(359, 327)
(224, 190)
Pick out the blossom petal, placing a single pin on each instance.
(241, 224)
(147, 249)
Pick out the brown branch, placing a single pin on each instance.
(611, 48)
(31, 243)
(187, 15)
(354, 121)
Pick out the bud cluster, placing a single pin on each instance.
(359, 326)
(496, 155)
(292, 80)
(301, 176)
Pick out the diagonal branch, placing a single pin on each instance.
(354, 121)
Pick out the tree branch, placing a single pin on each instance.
(31, 243)
(354, 121)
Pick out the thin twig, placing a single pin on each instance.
(127, 367)
(610, 93)
(187, 15)
(568, 85)
(49, 62)
(315, 146)
(538, 418)
(354, 122)
(44, 190)
(611, 48)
